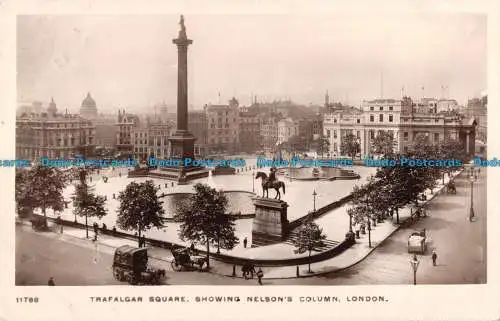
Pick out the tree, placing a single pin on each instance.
(140, 208)
(205, 219)
(362, 201)
(23, 198)
(321, 145)
(44, 188)
(349, 145)
(384, 144)
(309, 237)
(297, 143)
(85, 202)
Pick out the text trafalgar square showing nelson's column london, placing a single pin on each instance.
(288, 184)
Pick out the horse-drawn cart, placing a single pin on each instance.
(184, 259)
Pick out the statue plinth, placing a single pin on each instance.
(270, 223)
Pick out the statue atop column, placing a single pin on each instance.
(182, 32)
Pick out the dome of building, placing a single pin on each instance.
(88, 108)
(52, 109)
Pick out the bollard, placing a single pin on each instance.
(298, 274)
(234, 270)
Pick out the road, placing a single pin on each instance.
(460, 244)
(40, 256)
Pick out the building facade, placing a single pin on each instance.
(151, 140)
(250, 135)
(53, 135)
(222, 127)
(269, 133)
(287, 128)
(125, 124)
(197, 125)
(403, 119)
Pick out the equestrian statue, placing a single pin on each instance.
(270, 182)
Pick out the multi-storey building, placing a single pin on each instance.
(197, 125)
(269, 133)
(403, 119)
(124, 125)
(338, 123)
(478, 108)
(151, 139)
(53, 135)
(250, 135)
(287, 128)
(223, 127)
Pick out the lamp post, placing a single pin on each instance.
(471, 210)
(314, 200)
(253, 182)
(414, 264)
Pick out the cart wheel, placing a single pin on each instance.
(116, 274)
(176, 266)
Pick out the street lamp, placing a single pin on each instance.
(314, 200)
(471, 210)
(253, 182)
(414, 264)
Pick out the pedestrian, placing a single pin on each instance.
(114, 230)
(260, 275)
(434, 257)
(245, 241)
(51, 281)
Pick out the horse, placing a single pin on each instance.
(266, 184)
(248, 269)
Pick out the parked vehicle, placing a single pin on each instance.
(183, 258)
(417, 242)
(39, 223)
(130, 264)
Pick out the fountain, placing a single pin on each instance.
(320, 173)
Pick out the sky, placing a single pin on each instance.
(129, 61)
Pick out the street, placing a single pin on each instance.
(460, 245)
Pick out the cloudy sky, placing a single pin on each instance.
(130, 61)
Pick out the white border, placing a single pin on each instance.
(464, 302)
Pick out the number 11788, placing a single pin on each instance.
(27, 299)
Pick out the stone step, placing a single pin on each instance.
(328, 244)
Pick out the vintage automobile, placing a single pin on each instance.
(417, 242)
(130, 264)
(184, 259)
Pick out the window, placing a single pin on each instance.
(381, 117)
(334, 147)
(372, 108)
(390, 118)
(391, 108)
(405, 135)
(335, 120)
(328, 133)
(381, 108)
(334, 134)
(372, 118)
(436, 137)
(358, 121)
(358, 134)
(372, 134)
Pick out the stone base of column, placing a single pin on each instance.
(270, 223)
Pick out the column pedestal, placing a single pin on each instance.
(270, 224)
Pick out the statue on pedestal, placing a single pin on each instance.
(271, 182)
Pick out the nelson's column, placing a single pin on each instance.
(182, 141)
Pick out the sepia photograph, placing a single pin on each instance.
(251, 150)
